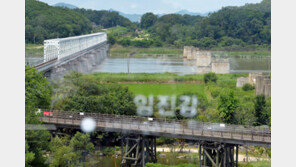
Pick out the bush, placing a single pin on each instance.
(210, 77)
(215, 91)
(248, 87)
(108, 151)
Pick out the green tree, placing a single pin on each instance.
(63, 154)
(210, 77)
(81, 145)
(37, 94)
(262, 110)
(206, 42)
(111, 39)
(89, 95)
(227, 107)
(148, 20)
(29, 156)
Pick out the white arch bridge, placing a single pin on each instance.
(79, 53)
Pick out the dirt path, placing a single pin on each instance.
(241, 157)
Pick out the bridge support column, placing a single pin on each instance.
(138, 150)
(218, 154)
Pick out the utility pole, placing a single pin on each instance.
(128, 60)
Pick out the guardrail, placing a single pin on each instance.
(164, 126)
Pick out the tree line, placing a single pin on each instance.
(230, 26)
(233, 27)
(45, 22)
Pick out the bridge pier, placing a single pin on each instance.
(218, 154)
(83, 63)
(138, 150)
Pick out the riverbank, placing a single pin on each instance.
(119, 51)
(34, 50)
(37, 50)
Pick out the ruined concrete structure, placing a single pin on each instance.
(261, 82)
(190, 52)
(220, 66)
(205, 62)
(252, 77)
(241, 81)
(263, 85)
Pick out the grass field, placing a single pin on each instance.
(34, 50)
(120, 51)
(249, 53)
(256, 164)
(166, 89)
(224, 79)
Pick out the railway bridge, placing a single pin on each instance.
(218, 143)
(78, 53)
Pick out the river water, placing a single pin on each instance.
(168, 64)
(176, 65)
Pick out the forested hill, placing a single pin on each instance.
(106, 19)
(45, 22)
(231, 26)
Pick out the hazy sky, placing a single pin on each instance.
(155, 6)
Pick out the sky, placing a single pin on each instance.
(155, 6)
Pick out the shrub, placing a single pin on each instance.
(248, 87)
(215, 91)
(210, 77)
(108, 151)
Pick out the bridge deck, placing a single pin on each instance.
(166, 127)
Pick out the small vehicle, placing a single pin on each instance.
(150, 119)
(47, 114)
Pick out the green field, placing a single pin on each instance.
(166, 89)
(172, 84)
(224, 79)
(119, 51)
(34, 50)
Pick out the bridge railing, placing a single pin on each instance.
(62, 47)
(160, 125)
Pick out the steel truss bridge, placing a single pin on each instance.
(60, 51)
(218, 143)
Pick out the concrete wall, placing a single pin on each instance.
(187, 51)
(190, 52)
(263, 85)
(241, 81)
(203, 59)
(252, 77)
(220, 66)
(203, 69)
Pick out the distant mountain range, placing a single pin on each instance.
(183, 12)
(134, 17)
(131, 17)
(137, 17)
(65, 5)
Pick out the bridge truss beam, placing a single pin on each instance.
(218, 154)
(138, 150)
